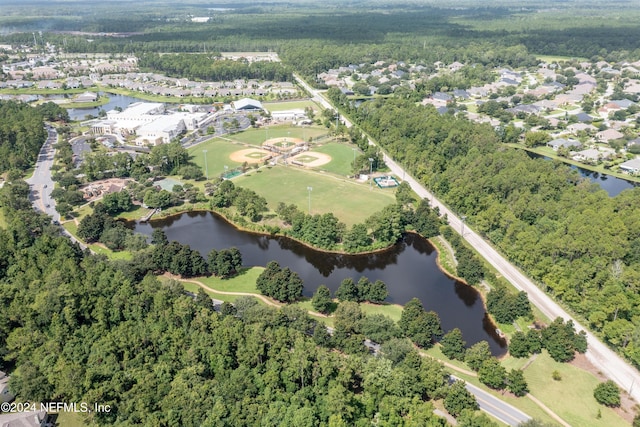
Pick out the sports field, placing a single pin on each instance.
(218, 155)
(258, 136)
(341, 157)
(351, 202)
(290, 105)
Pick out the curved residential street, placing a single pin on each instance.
(496, 407)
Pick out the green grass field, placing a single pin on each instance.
(571, 397)
(291, 105)
(243, 282)
(192, 287)
(218, 152)
(393, 311)
(341, 157)
(349, 201)
(258, 136)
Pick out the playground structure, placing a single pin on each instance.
(386, 181)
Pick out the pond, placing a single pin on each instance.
(408, 268)
(115, 100)
(611, 184)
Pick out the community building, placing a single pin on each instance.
(148, 122)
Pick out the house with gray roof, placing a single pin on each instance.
(24, 419)
(631, 166)
(556, 144)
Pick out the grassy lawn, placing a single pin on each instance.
(341, 158)
(556, 58)
(349, 201)
(72, 228)
(571, 397)
(192, 287)
(218, 152)
(258, 136)
(243, 282)
(134, 214)
(292, 105)
(393, 311)
(71, 419)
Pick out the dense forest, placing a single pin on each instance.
(212, 68)
(77, 327)
(580, 244)
(330, 35)
(21, 135)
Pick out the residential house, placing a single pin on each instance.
(631, 166)
(609, 135)
(25, 419)
(577, 127)
(556, 144)
(592, 155)
(86, 97)
(584, 117)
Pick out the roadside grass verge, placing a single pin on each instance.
(571, 397)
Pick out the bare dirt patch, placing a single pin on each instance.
(312, 159)
(250, 155)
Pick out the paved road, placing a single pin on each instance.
(40, 183)
(496, 407)
(603, 358)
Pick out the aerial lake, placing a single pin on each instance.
(115, 100)
(611, 184)
(408, 268)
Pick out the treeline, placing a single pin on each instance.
(212, 67)
(580, 244)
(380, 230)
(21, 135)
(111, 333)
(559, 338)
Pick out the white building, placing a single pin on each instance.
(149, 123)
(160, 131)
(289, 115)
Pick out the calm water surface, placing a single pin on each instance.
(121, 101)
(409, 269)
(611, 184)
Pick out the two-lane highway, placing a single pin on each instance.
(603, 358)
